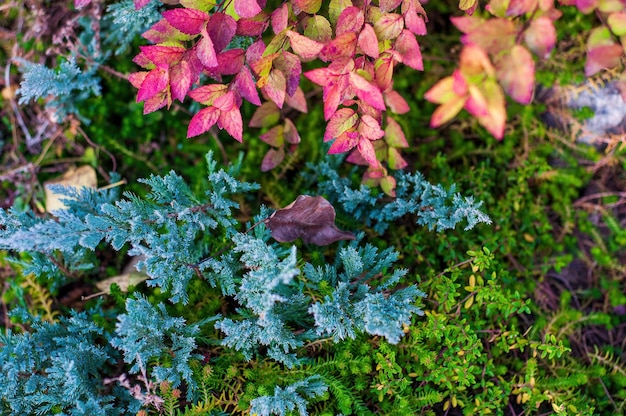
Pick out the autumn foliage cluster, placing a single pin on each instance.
(222, 54)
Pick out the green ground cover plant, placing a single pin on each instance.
(395, 228)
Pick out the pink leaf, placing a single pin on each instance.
(206, 51)
(246, 86)
(367, 91)
(394, 136)
(153, 104)
(280, 18)
(343, 120)
(297, 101)
(276, 87)
(79, 4)
(520, 7)
(232, 122)
(409, 50)
(140, 3)
(207, 94)
(221, 29)
(160, 32)
(388, 5)
(137, 78)
(308, 6)
(603, 57)
(333, 95)
(229, 62)
(247, 8)
(272, 158)
(306, 48)
(476, 103)
(446, 111)
(310, 218)
(202, 121)
(414, 22)
(291, 132)
(155, 82)
(321, 76)
(180, 80)
(388, 185)
(383, 68)
(351, 19)
(254, 26)
(265, 116)
(368, 42)
(289, 64)
(225, 102)
(388, 26)
(162, 56)
(369, 128)
(344, 142)
(366, 149)
(516, 73)
(496, 120)
(395, 102)
(343, 46)
(395, 159)
(275, 136)
(189, 21)
(541, 36)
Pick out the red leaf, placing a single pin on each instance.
(388, 26)
(541, 36)
(180, 80)
(308, 6)
(366, 149)
(229, 62)
(409, 50)
(221, 29)
(516, 73)
(289, 64)
(189, 21)
(280, 18)
(265, 116)
(155, 82)
(368, 42)
(333, 95)
(247, 8)
(202, 121)
(369, 128)
(343, 46)
(162, 56)
(206, 51)
(367, 91)
(344, 142)
(207, 94)
(395, 102)
(291, 132)
(255, 52)
(311, 218)
(306, 48)
(254, 26)
(272, 158)
(225, 102)
(297, 101)
(275, 87)
(231, 122)
(351, 19)
(344, 119)
(246, 86)
(394, 136)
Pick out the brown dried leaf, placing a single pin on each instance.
(311, 218)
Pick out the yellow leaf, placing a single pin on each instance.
(85, 176)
